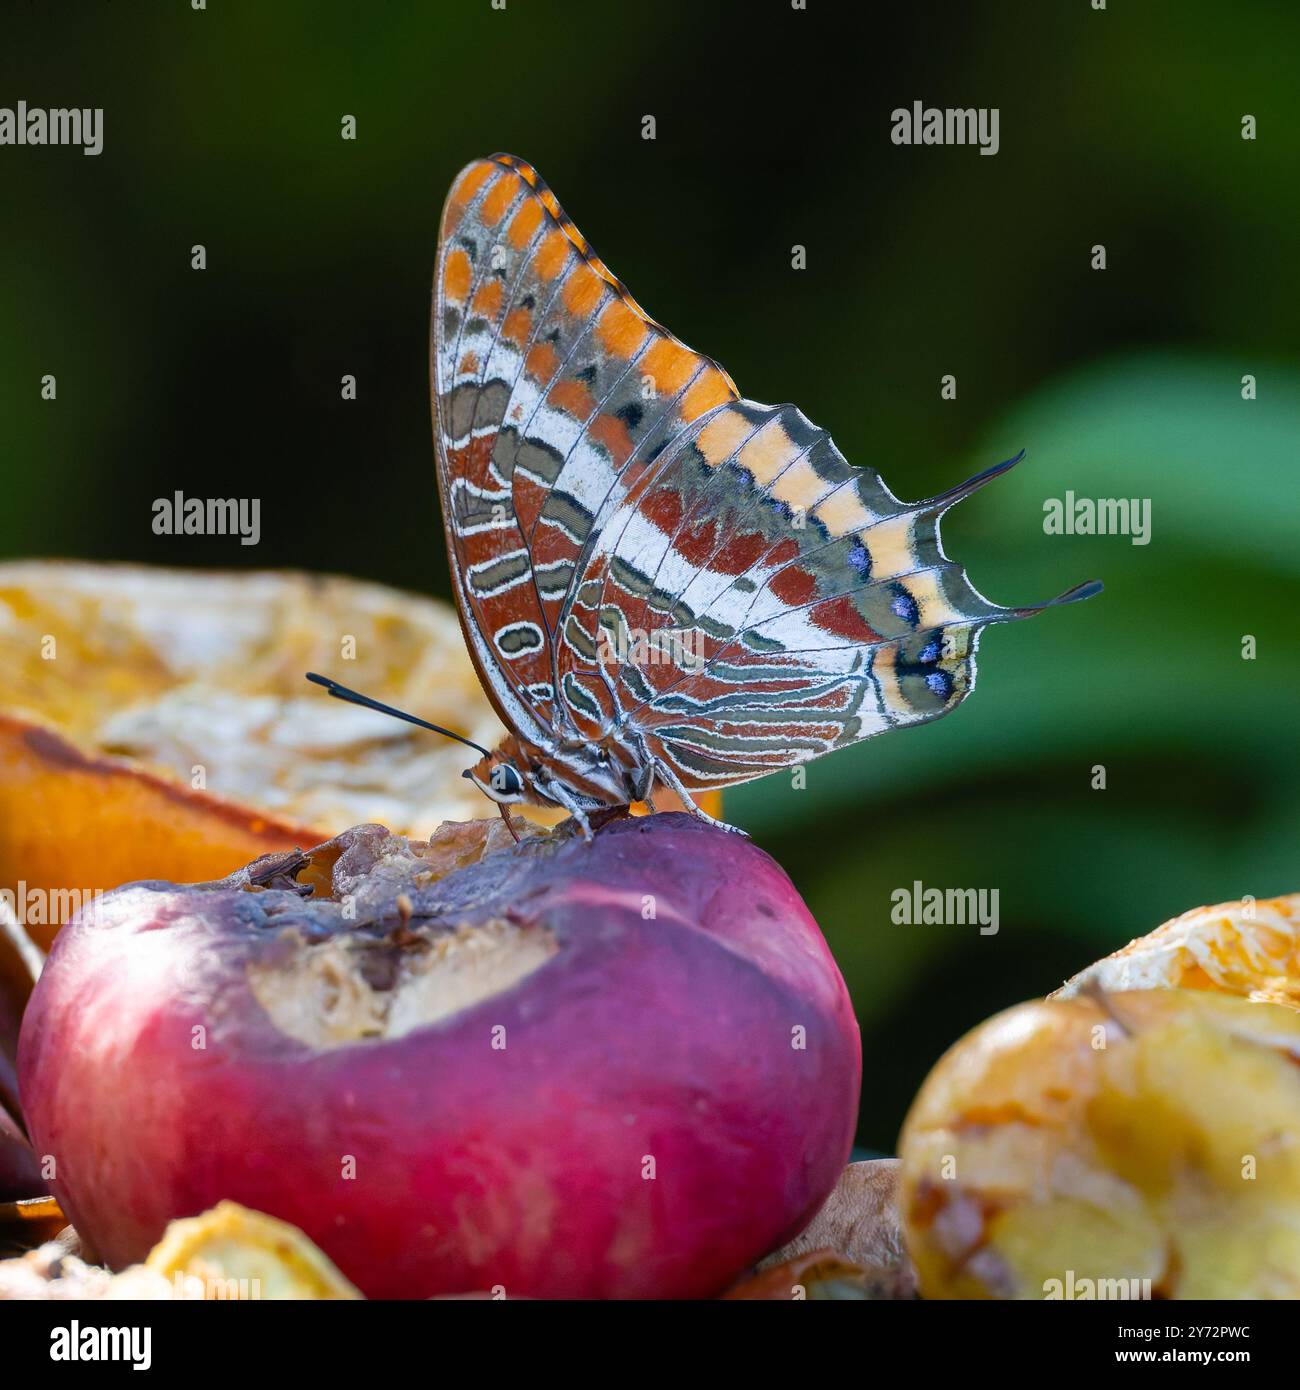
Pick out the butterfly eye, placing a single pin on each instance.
(506, 780)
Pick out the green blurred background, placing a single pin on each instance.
(1120, 127)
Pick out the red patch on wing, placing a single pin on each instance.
(794, 586)
(739, 554)
(611, 434)
(695, 546)
(841, 617)
(573, 398)
(663, 508)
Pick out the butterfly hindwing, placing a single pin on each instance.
(776, 602)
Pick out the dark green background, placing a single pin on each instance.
(1120, 127)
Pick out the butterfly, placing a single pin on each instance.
(660, 582)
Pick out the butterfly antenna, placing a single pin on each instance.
(341, 692)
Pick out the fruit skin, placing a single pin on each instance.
(1079, 1147)
(668, 1037)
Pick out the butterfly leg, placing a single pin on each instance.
(557, 794)
(643, 786)
(643, 778)
(670, 779)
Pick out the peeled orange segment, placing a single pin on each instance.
(232, 1252)
(155, 723)
(1244, 947)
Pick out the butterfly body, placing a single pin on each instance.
(660, 582)
(577, 775)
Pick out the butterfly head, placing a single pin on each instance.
(585, 777)
(499, 777)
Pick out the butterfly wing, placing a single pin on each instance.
(553, 393)
(637, 549)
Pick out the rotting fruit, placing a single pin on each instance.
(1143, 1144)
(623, 1069)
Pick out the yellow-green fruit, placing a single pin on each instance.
(1143, 1144)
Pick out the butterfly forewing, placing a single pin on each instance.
(554, 393)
